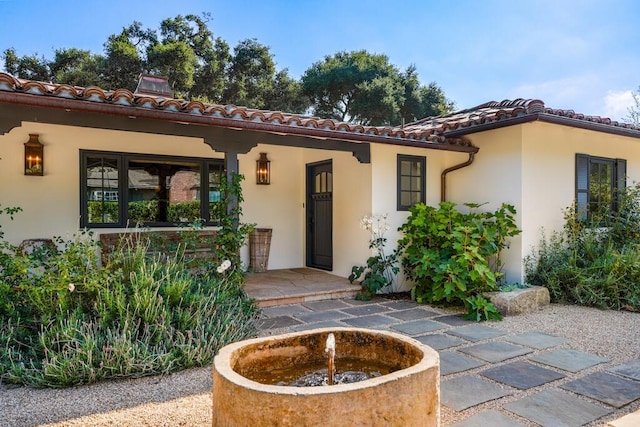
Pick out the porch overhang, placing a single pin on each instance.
(226, 129)
(222, 139)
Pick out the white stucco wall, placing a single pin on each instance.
(494, 178)
(532, 166)
(548, 172)
(279, 205)
(384, 199)
(51, 203)
(351, 200)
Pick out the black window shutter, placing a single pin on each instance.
(582, 185)
(621, 179)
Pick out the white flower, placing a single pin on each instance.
(224, 266)
(364, 222)
(72, 287)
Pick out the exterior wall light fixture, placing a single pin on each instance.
(263, 170)
(33, 156)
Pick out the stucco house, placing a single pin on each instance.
(106, 150)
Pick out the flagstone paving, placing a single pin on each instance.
(476, 332)
(490, 418)
(467, 391)
(480, 363)
(439, 341)
(412, 314)
(536, 340)
(452, 362)
(496, 351)
(417, 327)
(569, 360)
(630, 370)
(607, 388)
(522, 375)
(556, 408)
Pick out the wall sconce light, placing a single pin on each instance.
(263, 170)
(33, 156)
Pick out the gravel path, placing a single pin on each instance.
(184, 398)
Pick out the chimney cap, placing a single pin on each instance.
(153, 85)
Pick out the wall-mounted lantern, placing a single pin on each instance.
(263, 170)
(33, 156)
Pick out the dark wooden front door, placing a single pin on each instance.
(320, 215)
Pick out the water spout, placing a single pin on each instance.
(330, 349)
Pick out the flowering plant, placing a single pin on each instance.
(381, 268)
(224, 266)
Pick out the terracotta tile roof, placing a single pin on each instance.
(495, 112)
(445, 131)
(221, 115)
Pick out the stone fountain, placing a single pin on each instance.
(405, 391)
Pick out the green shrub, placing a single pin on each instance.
(102, 212)
(595, 262)
(184, 212)
(67, 320)
(143, 211)
(454, 257)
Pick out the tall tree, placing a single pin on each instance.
(286, 95)
(125, 56)
(176, 61)
(365, 88)
(349, 86)
(211, 55)
(31, 67)
(337, 84)
(251, 74)
(77, 67)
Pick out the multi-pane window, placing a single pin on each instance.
(323, 183)
(121, 190)
(598, 180)
(411, 181)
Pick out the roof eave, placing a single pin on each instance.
(547, 118)
(71, 105)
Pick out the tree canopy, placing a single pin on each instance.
(365, 88)
(351, 86)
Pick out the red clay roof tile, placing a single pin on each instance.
(430, 130)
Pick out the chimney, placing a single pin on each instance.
(154, 86)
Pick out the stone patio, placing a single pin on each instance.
(529, 378)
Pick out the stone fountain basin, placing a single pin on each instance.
(408, 396)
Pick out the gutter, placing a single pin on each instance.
(443, 176)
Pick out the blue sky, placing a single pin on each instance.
(580, 55)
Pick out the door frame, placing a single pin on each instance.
(311, 219)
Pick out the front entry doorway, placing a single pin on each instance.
(320, 215)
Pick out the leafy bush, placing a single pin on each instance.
(143, 211)
(184, 212)
(67, 320)
(102, 211)
(454, 257)
(595, 262)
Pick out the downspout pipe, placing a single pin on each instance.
(443, 176)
